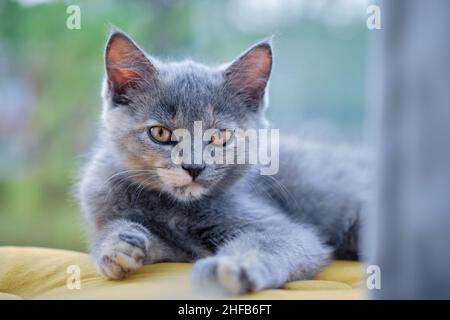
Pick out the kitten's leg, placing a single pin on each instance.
(122, 247)
(263, 259)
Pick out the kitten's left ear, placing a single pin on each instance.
(248, 75)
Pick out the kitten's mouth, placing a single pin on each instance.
(181, 185)
(192, 190)
(193, 185)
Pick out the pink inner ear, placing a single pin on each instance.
(258, 63)
(249, 74)
(122, 59)
(122, 77)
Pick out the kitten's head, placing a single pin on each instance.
(145, 101)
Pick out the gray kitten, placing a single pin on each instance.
(245, 231)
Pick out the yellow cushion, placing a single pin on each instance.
(38, 273)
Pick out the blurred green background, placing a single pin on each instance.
(50, 80)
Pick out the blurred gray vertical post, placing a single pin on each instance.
(411, 102)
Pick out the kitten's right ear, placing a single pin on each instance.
(126, 65)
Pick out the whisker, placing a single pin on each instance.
(126, 177)
(282, 189)
(141, 188)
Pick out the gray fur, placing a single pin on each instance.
(245, 231)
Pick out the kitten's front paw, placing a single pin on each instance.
(121, 253)
(227, 274)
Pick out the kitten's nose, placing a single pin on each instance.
(194, 170)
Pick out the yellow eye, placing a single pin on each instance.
(160, 134)
(221, 137)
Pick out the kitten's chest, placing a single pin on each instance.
(197, 230)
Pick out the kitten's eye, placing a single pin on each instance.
(160, 134)
(221, 137)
